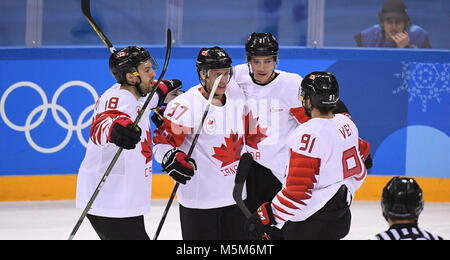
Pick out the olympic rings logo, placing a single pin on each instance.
(69, 126)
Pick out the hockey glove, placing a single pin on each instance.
(175, 164)
(123, 134)
(258, 225)
(157, 117)
(368, 162)
(168, 90)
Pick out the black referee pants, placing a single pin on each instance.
(131, 228)
(226, 223)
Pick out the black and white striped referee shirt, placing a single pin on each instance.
(405, 232)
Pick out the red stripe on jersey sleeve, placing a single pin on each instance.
(170, 133)
(301, 177)
(286, 202)
(300, 114)
(99, 124)
(281, 209)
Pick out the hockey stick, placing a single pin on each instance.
(85, 6)
(241, 175)
(191, 149)
(86, 9)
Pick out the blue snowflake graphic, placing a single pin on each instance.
(424, 81)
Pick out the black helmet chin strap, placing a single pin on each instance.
(138, 88)
(205, 84)
(203, 80)
(137, 85)
(307, 109)
(252, 74)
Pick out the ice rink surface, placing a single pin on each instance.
(54, 220)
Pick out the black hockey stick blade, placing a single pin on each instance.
(86, 9)
(243, 167)
(241, 175)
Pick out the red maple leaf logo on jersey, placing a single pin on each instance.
(147, 147)
(254, 133)
(229, 152)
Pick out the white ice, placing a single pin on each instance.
(54, 220)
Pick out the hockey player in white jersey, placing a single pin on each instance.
(117, 212)
(325, 170)
(272, 96)
(207, 208)
(273, 110)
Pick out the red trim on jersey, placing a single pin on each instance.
(99, 123)
(286, 202)
(280, 218)
(362, 176)
(301, 178)
(170, 133)
(300, 114)
(281, 209)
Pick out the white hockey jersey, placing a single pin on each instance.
(218, 149)
(324, 155)
(268, 117)
(127, 190)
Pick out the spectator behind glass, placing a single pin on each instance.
(394, 31)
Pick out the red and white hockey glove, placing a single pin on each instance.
(175, 164)
(260, 222)
(123, 134)
(168, 90)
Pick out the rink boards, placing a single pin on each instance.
(62, 187)
(400, 100)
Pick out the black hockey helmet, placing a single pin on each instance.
(261, 44)
(322, 87)
(126, 60)
(402, 198)
(212, 58)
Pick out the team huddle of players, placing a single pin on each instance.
(308, 159)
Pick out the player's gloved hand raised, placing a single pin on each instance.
(168, 90)
(175, 164)
(123, 134)
(158, 116)
(259, 224)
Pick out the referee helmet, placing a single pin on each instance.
(402, 198)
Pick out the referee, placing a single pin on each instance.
(402, 203)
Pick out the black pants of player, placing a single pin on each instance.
(226, 223)
(262, 186)
(131, 228)
(331, 222)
